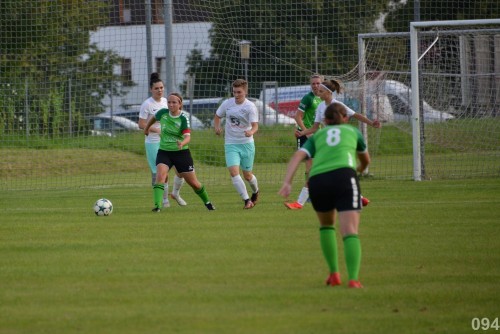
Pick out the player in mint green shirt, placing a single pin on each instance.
(175, 135)
(334, 186)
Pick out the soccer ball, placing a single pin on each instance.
(103, 207)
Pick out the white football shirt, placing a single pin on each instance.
(148, 109)
(239, 118)
(320, 111)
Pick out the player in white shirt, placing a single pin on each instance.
(242, 122)
(152, 141)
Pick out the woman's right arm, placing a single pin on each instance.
(309, 131)
(218, 129)
(151, 121)
(364, 161)
(296, 159)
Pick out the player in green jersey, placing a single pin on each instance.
(334, 186)
(175, 135)
(305, 119)
(152, 141)
(325, 91)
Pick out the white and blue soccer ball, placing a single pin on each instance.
(103, 207)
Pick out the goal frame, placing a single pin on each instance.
(415, 93)
(413, 34)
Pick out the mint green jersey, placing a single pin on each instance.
(334, 147)
(308, 105)
(173, 129)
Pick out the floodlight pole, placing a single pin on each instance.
(245, 55)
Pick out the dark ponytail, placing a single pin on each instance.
(154, 78)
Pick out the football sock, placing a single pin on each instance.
(158, 190)
(240, 186)
(178, 182)
(253, 184)
(202, 193)
(303, 196)
(328, 243)
(165, 191)
(352, 252)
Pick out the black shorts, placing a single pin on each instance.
(338, 189)
(182, 160)
(301, 141)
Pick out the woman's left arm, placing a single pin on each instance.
(362, 118)
(185, 141)
(253, 130)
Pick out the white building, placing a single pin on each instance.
(129, 42)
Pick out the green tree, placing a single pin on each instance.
(283, 35)
(207, 83)
(441, 10)
(45, 47)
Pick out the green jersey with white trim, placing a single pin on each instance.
(173, 129)
(334, 147)
(308, 105)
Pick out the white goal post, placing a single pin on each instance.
(415, 28)
(446, 73)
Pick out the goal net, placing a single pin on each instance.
(73, 75)
(454, 120)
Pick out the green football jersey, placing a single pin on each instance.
(334, 147)
(173, 129)
(308, 105)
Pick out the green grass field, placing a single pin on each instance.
(430, 263)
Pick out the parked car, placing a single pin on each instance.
(133, 115)
(105, 125)
(285, 100)
(196, 123)
(386, 100)
(203, 109)
(400, 97)
(269, 116)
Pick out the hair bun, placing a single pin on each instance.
(154, 76)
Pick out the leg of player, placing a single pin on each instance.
(240, 187)
(198, 188)
(175, 195)
(254, 185)
(328, 242)
(166, 202)
(247, 161)
(349, 222)
(304, 193)
(159, 186)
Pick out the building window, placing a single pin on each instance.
(127, 72)
(160, 67)
(125, 10)
(157, 11)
